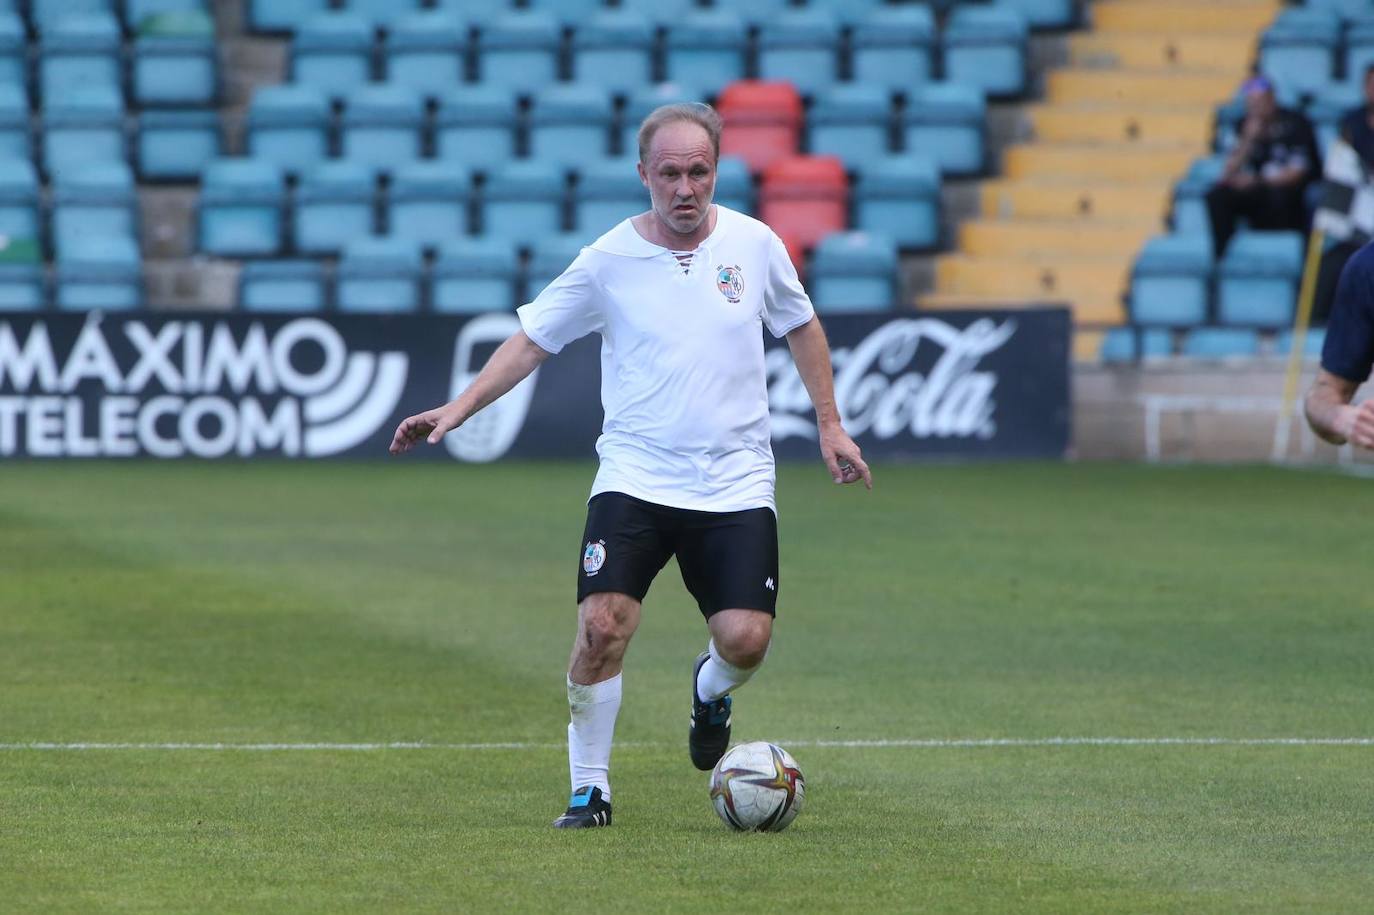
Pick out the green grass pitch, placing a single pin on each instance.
(401, 601)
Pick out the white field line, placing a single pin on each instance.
(912, 743)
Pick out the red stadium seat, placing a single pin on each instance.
(762, 121)
(805, 198)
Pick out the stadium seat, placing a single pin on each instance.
(612, 49)
(1312, 343)
(139, 14)
(519, 51)
(175, 64)
(283, 15)
(663, 10)
(1126, 344)
(1045, 14)
(472, 275)
(946, 122)
(14, 44)
(333, 52)
(893, 47)
(705, 50)
(22, 287)
(853, 271)
(549, 257)
(335, 203)
(476, 12)
(475, 125)
(98, 200)
(79, 51)
(99, 272)
(802, 47)
(382, 13)
(568, 12)
(378, 275)
(985, 47)
(570, 124)
(1171, 281)
(382, 125)
(1329, 107)
(852, 121)
(608, 191)
(45, 14)
(428, 202)
(241, 203)
(426, 51)
(1346, 10)
(84, 124)
(1190, 196)
(734, 184)
(523, 201)
(1299, 49)
(899, 197)
(762, 121)
(640, 104)
(805, 197)
(15, 140)
(18, 199)
(1258, 279)
(1359, 50)
(282, 285)
(289, 126)
(848, 12)
(1220, 343)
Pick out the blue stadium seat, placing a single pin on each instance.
(475, 125)
(638, 106)
(1345, 9)
(853, 271)
(427, 51)
(139, 14)
(97, 200)
(568, 12)
(662, 10)
(79, 51)
(241, 202)
(15, 139)
(1359, 50)
(282, 285)
(608, 191)
(523, 201)
(477, 12)
(472, 275)
(1220, 343)
(18, 199)
(335, 203)
(570, 124)
(1329, 107)
(46, 14)
(801, 46)
(612, 49)
(1125, 344)
(550, 256)
(21, 284)
(333, 52)
(382, 125)
(176, 65)
(852, 121)
(1171, 281)
(985, 46)
(1258, 279)
(734, 184)
(1190, 196)
(1299, 49)
(283, 15)
(760, 12)
(848, 12)
(893, 47)
(899, 197)
(705, 50)
(383, 13)
(377, 275)
(519, 51)
(14, 45)
(428, 202)
(946, 122)
(95, 272)
(289, 126)
(84, 124)
(1312, 343)
(1045, 14)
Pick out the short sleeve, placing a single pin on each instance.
(569, 308)
(1349, 348)
(786, 306)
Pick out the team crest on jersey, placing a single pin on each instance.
(730, 282)
(594, 556)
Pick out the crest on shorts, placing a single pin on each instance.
(730, 282)
(594, 556)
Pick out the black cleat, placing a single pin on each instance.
(586, 810)
(710, 733)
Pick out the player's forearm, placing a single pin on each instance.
(811, 353)
(1329, 412)
(511, 364)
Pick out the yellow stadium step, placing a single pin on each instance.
(1184, 16)
(1102, 278)
(1053, 237)
(1166, 50)
(1072, 198)
(1100, 123)
(1083, 311)
(1136, 164)
(1078, 85)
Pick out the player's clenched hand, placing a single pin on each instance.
(1357, 424)
(842, 456)
(429, 425)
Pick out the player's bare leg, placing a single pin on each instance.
(739, 642)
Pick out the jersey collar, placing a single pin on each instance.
(624, 240)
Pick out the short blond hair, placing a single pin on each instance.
(704, 116)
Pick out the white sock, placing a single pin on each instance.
(718, 676)
(593, 710)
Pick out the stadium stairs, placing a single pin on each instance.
(1127, 108)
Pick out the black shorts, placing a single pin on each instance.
(729, 560)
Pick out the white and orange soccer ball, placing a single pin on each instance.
(757, 787)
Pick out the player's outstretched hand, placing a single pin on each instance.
(842, 457)
(429, 425)
(1357, 424)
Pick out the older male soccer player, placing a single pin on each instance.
(1347, 356)
(680, 295)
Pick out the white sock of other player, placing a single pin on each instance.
(593, 710)
(718, 676)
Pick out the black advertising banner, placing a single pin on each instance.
(167, 385)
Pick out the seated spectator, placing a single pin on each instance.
(1357, 130)
(1274, 159)
(1357, 125)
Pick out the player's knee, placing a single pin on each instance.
(607, 621)
(746, 642)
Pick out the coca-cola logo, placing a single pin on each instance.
(880, 391)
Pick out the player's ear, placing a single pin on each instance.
(643, 173)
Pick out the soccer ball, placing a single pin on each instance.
(757, 787)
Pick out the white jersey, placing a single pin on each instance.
(682, 375)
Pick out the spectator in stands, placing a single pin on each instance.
(1357, 126)
(1267, 173)
(1357, 130)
